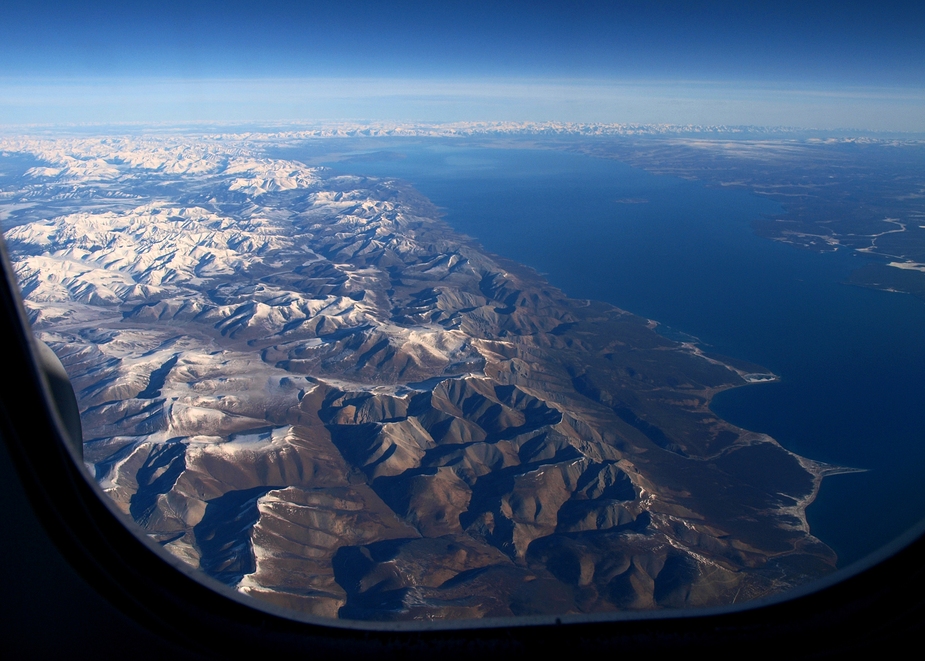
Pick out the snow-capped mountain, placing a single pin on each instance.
(309, 387)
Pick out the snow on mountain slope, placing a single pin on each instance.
(83, 159)
(154, 244)
(266, 175)
(310, 388)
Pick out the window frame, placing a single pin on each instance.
(875, 604)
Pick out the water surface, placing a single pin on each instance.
(850, 360)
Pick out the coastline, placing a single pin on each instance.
(554, 428)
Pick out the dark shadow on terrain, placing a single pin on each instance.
(655, 434)
(157, 379)
(223, 535)
(158, 474)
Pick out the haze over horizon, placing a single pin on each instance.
(782, 64)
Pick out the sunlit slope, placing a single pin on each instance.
(309, 387)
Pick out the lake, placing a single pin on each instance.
(851, 360)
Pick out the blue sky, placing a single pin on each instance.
(820, 65)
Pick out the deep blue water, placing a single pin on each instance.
(851, 360)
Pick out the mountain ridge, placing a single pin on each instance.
(402, 425)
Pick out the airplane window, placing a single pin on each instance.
(394, 371)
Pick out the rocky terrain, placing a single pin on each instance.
(307, 386)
